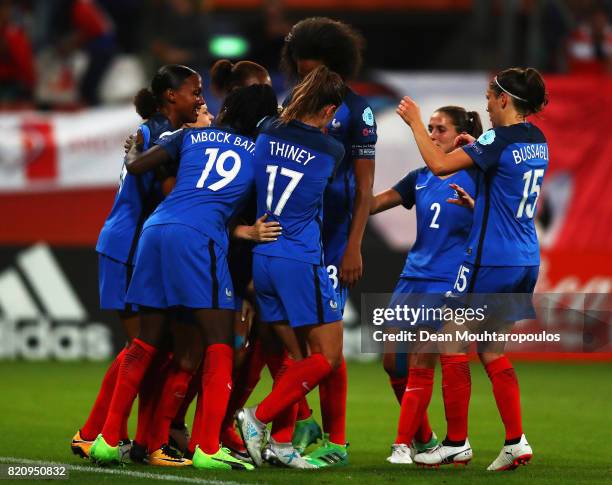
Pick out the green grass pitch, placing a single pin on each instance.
(566, 410)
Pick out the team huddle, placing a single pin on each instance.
(232, 244)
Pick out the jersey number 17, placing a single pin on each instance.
(295, 177)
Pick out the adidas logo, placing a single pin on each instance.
(41, 316)
(251, 431)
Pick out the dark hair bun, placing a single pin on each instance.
(221, 76)
(536, 90)
(145, 103)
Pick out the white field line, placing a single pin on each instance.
(116, 471)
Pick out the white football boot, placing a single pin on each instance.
(400, 454)
(445, 455)
(284, 455)
(512, 456)
(253, 433)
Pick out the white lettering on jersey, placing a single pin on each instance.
(247, 144)
(213, 136)
(529, 152)
(292, 152)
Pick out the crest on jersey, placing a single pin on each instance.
(368, 116)
(487, 137)
(333, 304)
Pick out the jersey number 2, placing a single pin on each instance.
(295, 179)
(436, 208)
(226, 175)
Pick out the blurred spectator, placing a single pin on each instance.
(17, 73)
(556, 23)
(590, 44)
(127, 16)
(83, 25)
(177, 33)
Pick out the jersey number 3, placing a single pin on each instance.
(219, 163)
(295, 179)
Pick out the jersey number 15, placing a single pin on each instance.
(532, 177)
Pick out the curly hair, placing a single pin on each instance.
(335, 43)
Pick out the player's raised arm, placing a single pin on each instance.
(438, 162)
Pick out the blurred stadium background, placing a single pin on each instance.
(68, 70)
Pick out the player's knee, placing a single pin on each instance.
(189, 363)
(488, 357)
(334, 358)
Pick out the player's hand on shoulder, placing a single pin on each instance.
(351, 267)
(463, 139)
(408, 110)
(263, 231)
(463, 198)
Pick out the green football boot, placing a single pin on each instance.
(104, 454)
(307, 432)
(328, 454)
(417, 447)
(221, 460)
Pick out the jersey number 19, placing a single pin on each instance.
(218, 161)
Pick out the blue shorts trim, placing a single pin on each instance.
(293, 291)
(113, 280)
(519, 281)
(495, 279)
(177, 265)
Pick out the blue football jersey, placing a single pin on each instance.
(214, 179)
(293, 164)
(355, 127)
(136, 198)
(513, 160)
(442, 227)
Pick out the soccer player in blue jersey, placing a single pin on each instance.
(173, 100)
(431, 268)
(310, 43)
(182, 262)
(294, 162)
(502, 252)
(225, 77)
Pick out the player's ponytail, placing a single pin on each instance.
(244, 108)
(225, 76)
(525, 87)
(320, 88)
(464, 121)
(474, 124)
